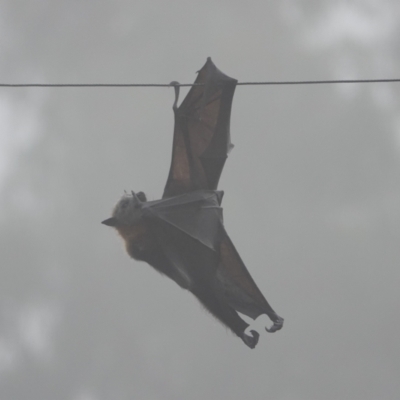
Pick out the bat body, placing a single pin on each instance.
(182, 235)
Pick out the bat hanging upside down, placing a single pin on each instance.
(183, 235)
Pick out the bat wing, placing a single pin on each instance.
(201, 135)
(237, 285)
(188, 229)
(197, 215)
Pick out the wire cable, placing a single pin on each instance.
(119, 85)
(321, 82)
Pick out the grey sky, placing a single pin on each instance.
(319, 165)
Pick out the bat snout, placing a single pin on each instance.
(110, 222)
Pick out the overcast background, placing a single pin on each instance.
(312, 199)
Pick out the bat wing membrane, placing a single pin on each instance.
(201, 134)
(237, 285)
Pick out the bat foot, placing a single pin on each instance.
(251, 341)
(278, 323)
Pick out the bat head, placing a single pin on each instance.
(128, 211)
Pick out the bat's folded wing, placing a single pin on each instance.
(188, 229)
(201, 134)
(195, 215)
(236, 284)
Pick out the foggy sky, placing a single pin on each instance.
(319, 166)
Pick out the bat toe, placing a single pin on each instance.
(251, 341)
(278, 323)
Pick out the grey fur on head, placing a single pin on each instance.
(128, 210)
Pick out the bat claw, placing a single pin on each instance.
(176, 86)
(276, 326)
(251, 341)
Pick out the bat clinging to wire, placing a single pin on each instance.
(182, 235)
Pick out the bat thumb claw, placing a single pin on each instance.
(176, 86)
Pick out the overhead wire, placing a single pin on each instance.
(119, 85)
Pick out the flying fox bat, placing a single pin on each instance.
(183, 235)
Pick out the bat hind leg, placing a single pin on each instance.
(228, 316)
(250, 341)
(278, 323)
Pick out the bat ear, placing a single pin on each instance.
(136, 199)
(141, 196)
(110, 222)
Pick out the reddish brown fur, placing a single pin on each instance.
(138, 235)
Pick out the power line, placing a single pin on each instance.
(321, 82)
(78, 85)
(91, 85)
